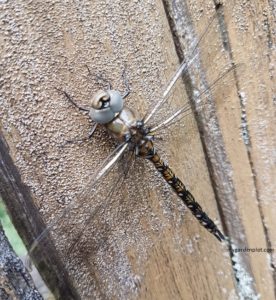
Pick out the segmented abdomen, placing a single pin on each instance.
(183, 193)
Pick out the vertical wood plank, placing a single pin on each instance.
(238, 185)
(254, 40)
(15, 282)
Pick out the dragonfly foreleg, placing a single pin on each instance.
(69, 98)
(126, 83)
(99, 78)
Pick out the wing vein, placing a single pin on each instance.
(105, 167)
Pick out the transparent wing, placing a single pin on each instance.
(184, 66)
(80, 202)
(111, 187)
(224, 81)
(208, 48)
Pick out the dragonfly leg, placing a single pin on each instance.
(99, 77)
(90, 134)
(126, 83)
(69, 98)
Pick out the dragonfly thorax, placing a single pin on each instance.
(127, 127)
(107, 108)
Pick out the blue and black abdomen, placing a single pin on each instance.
(182, 192)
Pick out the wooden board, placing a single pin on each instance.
(232, 153)
(141, 244)
(15, 282)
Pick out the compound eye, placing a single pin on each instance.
(100, 100)
(105, 105)
(116, 101)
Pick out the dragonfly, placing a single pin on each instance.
(135, 136)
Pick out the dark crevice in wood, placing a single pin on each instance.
(29, 225)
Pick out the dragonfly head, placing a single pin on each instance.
(105, 105)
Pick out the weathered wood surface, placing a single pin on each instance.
(15, 281)
(142, 244)
(29, 224)
(242, 153)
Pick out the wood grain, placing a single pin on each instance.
(140, 243)
(15, 281)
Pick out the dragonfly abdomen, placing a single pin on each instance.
(180, 189)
